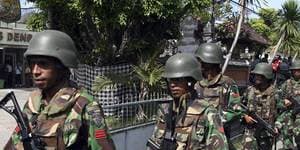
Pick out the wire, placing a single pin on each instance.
(253, 11)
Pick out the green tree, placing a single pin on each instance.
(243, 4)
(259, 26)
(269, 15)
(147, 75)
(111, 30)
(288, 28)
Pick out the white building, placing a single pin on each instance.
(14, 40)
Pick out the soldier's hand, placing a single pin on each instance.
(276, 131)
(287, 103)
(249, 119)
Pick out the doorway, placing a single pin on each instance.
(10, 73)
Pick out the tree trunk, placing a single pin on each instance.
(141, 114)
(295, 56)
(238, 30)
(277, 47)
(50, 20)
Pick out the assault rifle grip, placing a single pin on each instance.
(22, 123)
(152, 145)
(259, 121)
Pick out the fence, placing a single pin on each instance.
(134, 114)
(121, 104)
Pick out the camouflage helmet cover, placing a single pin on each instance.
(264, 69)
(295, 65)
(55, 44)
(210, 53)
(182, 65)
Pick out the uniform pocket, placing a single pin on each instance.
(198, 134)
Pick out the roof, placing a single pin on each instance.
(247, 33)
(25, 17)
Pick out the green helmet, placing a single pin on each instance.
(264, 69)
(210, 53)
(182, 65)
(55, 44)
(295, 65)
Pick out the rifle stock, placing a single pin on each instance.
(22, 122)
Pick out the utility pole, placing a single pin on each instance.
(212, 21)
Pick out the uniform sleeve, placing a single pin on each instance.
(279, 100)
(250, 99)
(281, 94)
(99, 137)
(233, 106)
(215, 139)
(157, 135)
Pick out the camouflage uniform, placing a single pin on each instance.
(198, 126)
(72, 120)
(264, 104)
(223, 94)
(68, 118)
(188, 122)
(221, 91)
(288, 123)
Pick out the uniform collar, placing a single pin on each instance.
(62, 100)
(268, 91)
(293, 79)
(214, 81)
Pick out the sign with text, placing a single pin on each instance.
(15, 36)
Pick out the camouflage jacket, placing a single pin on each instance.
(264, 103)
(289, 88)
(71, 120)
(222, 93)
(197, 127)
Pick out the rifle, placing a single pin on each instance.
(168, 142)
(295, 107)
(259, 122)
(29, 142)
(153, 145)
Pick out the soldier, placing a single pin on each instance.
(187, 122)
(260, 98)
(289, 120)
(61, 115)
(219, 90)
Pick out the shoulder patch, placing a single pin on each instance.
(96, 115)
(100, 134)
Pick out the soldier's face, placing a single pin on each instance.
(44, 72)
(209, 71)
(296, 73)
(178, 87)
(259, 79)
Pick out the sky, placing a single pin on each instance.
(275, 3)
(25, 4)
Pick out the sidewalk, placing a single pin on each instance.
(7, 122)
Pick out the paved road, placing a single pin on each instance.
(7, 122)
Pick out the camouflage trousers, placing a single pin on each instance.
(289, 127)
(253, 140)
